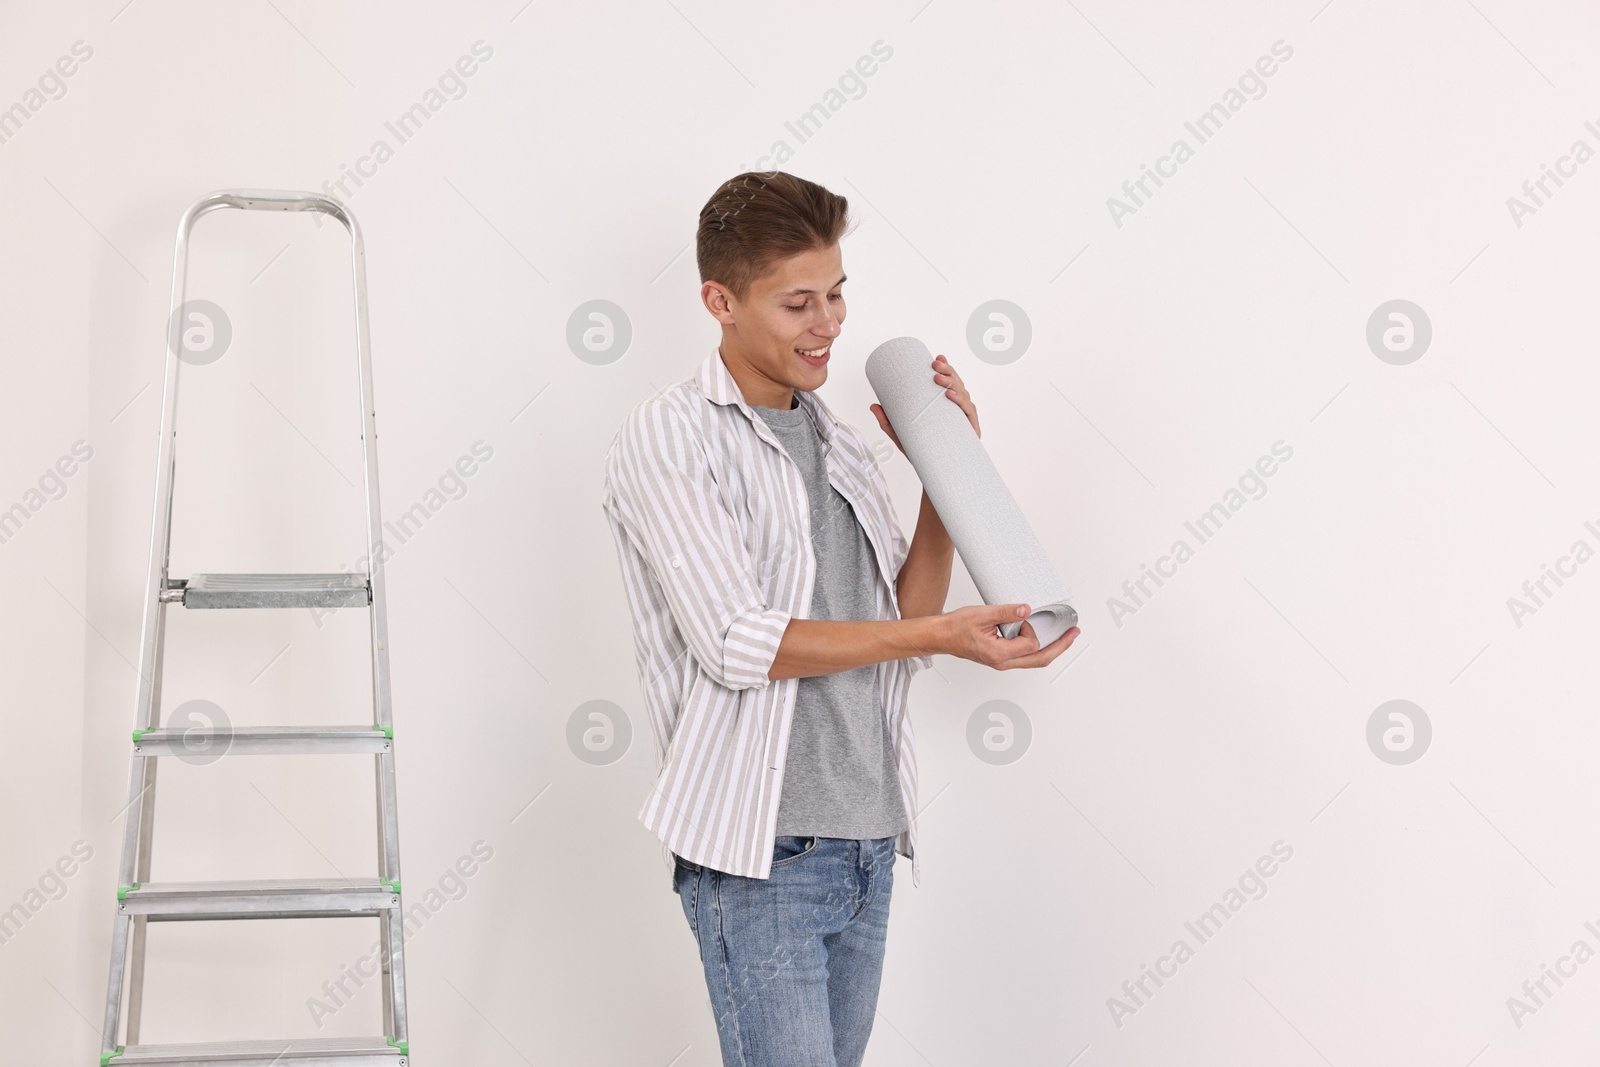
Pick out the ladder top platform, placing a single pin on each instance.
(276, 591)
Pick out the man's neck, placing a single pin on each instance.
(756, 389)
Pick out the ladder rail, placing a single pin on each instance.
(128, 932)
(378, 614)
(147, 826)
(391, 931)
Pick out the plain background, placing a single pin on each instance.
(1169, 749)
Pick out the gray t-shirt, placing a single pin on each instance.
(841, 778)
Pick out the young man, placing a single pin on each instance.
(778, 615)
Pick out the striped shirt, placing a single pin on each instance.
(713, 532)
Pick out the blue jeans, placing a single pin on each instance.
(793, 961)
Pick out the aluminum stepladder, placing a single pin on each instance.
(140, 901)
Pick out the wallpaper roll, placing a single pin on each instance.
(1005, 559)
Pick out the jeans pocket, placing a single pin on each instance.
(788, 849)
(686, 881)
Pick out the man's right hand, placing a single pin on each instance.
(973, 633)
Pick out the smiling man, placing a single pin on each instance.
(778, 616)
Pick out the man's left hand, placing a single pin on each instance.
(955, 389)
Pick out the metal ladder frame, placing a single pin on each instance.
(139, 901)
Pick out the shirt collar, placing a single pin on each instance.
(718, 385)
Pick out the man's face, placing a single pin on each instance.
(786, 324)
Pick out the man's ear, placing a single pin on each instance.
(718, 302)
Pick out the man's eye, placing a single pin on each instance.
(802, 307)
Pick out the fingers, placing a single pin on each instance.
(1010, 648)
(883, 421)
(956, 390)
(1005, 653)
(951, 380)
(1004, 613)
(1000, 651)
(994, 616)
(1043, 656)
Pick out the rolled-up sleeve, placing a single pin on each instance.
(660, 490)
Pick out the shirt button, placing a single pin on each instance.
(676, 562)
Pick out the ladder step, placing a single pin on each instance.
(274, 591)
(260, 740)
(279, 899)
(312, 1052)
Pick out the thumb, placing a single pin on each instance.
(1004, 613)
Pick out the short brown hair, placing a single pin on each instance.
(760, 217)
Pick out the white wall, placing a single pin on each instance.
(1170, 749)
